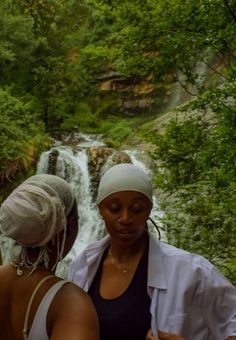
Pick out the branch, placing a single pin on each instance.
(214, 70)
(184, 87)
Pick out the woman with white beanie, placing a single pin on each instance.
(41, 216)
(143, 288)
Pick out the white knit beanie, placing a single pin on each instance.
(124, 177)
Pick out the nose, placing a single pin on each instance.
(125, 217)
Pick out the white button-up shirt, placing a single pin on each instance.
(189, 297)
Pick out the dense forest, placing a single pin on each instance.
(55, 55)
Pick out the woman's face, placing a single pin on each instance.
(125, 214)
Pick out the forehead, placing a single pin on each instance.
(126, 197)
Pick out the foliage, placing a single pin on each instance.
(150, 37)
(21, 136)
(197, 175)
(16, 45)
(181, 150)
(83, 119)
(116, 131)
(38, 65)
(45, 66)
(201, 219)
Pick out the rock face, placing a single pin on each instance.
(52, 161)
(136, 95)
(133, 95)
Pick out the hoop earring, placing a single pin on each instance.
(156, 226)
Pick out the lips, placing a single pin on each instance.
(125, 232)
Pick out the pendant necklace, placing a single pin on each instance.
(115, 262)
(18, 266)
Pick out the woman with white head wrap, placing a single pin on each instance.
(35, 213)
(41, 216)
(144, 289)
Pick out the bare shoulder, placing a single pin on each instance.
(74, 297)
(72, 315)
(71, 290)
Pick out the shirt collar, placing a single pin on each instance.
(156, 274)
(98, 246)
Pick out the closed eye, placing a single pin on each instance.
(137, 208)
(114, 209)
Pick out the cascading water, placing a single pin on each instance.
(71, 163)
(73, 167)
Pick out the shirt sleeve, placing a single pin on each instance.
(220, 305)
(77, 270)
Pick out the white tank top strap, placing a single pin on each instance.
(38, 329)
(30, 304)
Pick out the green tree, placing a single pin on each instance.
(21, 137)
(40, 56)
(161, 37)
(17, 43)
(197, 176)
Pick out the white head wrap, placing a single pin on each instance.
(36, 210)
(124, 177)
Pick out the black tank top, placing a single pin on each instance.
(126, 317)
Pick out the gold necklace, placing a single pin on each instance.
(18, 266)
(115, 261)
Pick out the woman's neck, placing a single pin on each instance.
(30, 258)
(126, 252)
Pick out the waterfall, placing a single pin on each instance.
(70, 161)
(73, 167)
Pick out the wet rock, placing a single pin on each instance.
(52, 162)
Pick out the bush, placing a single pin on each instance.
(22, 136)
(116, 131)
(197, 177)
